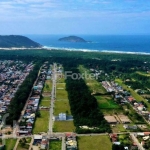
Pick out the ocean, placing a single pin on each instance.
(104, 43)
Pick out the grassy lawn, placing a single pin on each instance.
(10, 144)
(93, 85)
(125, 139)
(64, 126)
(46, 98)
(41, 123)
(45, 101)
(118, 128)
(23, 147)
(61, 94)
(133, 93)
(111, 111)
(94, 143)
(62, 106)
(61, 86)
(61, 79)
(47, 86)
(106, 101)
(55, 145)
(143, 73)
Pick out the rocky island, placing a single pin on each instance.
(72, 39)
(17, 41)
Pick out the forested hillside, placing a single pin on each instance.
(17, 41)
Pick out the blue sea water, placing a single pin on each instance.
(105, 43)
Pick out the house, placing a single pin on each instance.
(44, 143)
(130, 99)
(71, 142)
(146, 133)
(37, 137)
(140, 108)
(130, 127)
(62, 116)
(113, 137)
(116, 143)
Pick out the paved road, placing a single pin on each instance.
(30, 148)
(63, 146)
(16, 145)
(136, 141)
(53, 96)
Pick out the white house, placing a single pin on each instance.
(62, 116)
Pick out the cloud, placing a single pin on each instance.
(36, 9)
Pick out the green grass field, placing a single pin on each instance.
(61, 85)
(64, 126)
(46, 98)
(112, 111)
(93, 85)
(94, 143)
(61, 94)
(41, 123)
(45, 101)
(62, 106)
(118, 128)
(60, 80)
(55, 145)
(20, 147)
(143, 73)
(47, 86)
(10, 144)
(106, 101)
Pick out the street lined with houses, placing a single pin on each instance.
(33, 111)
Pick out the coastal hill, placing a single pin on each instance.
(9, 41)
(72, 39)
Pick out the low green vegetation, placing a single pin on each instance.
(124, 139)
(62, 102)
(94, 143)
(94, 85)
(118, 128)
(47, 86)
(44, 119)
(45, 101)
(61, 86)
(61, 94)
(55, 145)
(45, 98)
(112, 111)
(24, 144)
(60, 80)
(64, 126)
(10, 144)
(133, 115)
(106, 102)
(62, 106)
(143, 73)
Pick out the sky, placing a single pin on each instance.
(74, 17)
